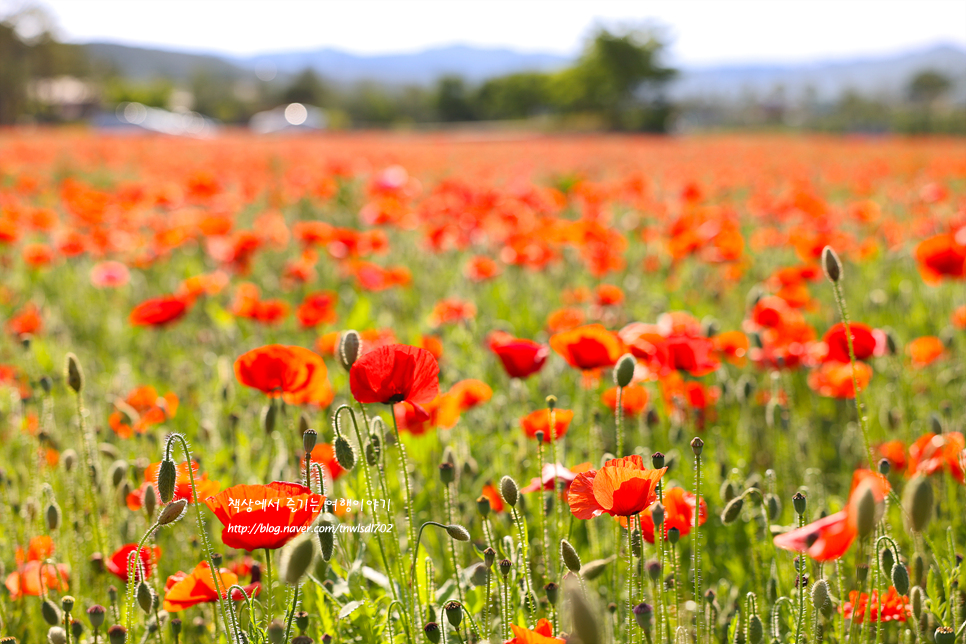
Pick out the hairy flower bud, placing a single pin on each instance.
(569, 555)
(732, 510)
(173, 512)
(297, 557)
(167, 477)
(350, 346)
(344, 453)
(624, 371)
(756, 630)
(509, 490)
(918, 502)
(900, 578)
(831, 265)
(73, 373)
(458, 532)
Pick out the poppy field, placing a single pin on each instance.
(402, 388)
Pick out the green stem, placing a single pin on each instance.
(291, 614)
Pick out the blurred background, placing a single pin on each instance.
(191, 68)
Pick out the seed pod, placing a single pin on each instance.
(150, 500)
(918, 502)
(673, 535)
(489, 557)
(756, 631)
(74, 373)
(831, 265)
(884, 466)
(644, 613)
(67, 603)
(509, 490)
(447, 473)
(145, 597)
(454, 613)
(296, 559)
(432, 631)
(697, 445)
(657, 460)
(309, 438)
(96, 615)
(505, 567)
(56, 635)
(653, 568)
(624, 371)
(301, 638)
(945, 635)
(800, 503)
(569, 555)
(900, 578)
(167, 476)
(819, 594)
(302, 620)
(458, 532)
(344, 453)
(483, 506)
(173, 512)
(732, 510)
(350, 345)
(51, 613)
(53, 517)
(117, 634)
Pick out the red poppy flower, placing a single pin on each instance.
(118, 563)
(38, 549)
(295, 373)
(451, 311)
(588, 347)
(495, 498)
(26, 580)
(941, 256)
(552, 473)
(186, 590)
(481, 269)
(959, 317)
(539, 421)
(26, 321)
(393, 374)
(286, 506)
(633, 399)
(622, 487)
(542, 633)
(932, 453)
(678, 513)
(469, 393)
(895, 453)
(609, 295)
(159, 311)
(863, 342)
(521, 358)
(324, 453)
(317, 308)
(891, 608)
(830, 537)
(141, 410)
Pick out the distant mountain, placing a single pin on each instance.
(883, 77)
(475, 64)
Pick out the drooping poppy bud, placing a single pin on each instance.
(624, 371)
(831, 265)
(50, 612)
(173, 512)
(145, 597)
(756, 631)
(344, 453)
(732, 510)
(900, 578)
(167, 477)
(297, 557)
(74, 373)
(918, 501)
(569, 555)
(458, 532)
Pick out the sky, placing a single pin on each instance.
(701, 32)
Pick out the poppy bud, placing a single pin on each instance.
(657, 460)
(865, 511)
(915, 601)
(551, 401)
(584, 621)
(569, 555)
(657, 514)
(643, 613)
(831, 265)
(636, 544)
(483, 506)
(176, 627)
(458, 532)
(673, 535)
(918, 500)
(935, 423)
(327, 536)
(344, 453)
(651, 419)
(145, 597)
(900, 578)
(372, 454)
(454, 613)
(296, 558)
(167, 476)
(862, 572)
(276, 631)
(918, 569)
(800, 503)
(76, 629)
(74, 373)
(489, 556)
(945, 635)
(774, 505)
(268, 417)
(509, 490)
(173, 512)
(67, 603)
(117, 471)
(732, 510)
(309, 438)
(350, 346)
(216, 559)
(727, 491)
(819, 594)
(53, 517)
(56, 635)
(505, 567)
(96, 615)
(50, 612)
(447, 473)
(432, 632)
(69, 459)
(150, 500)
(624, 371)
(653, 568)
(112, 593)
(755, 630)
(892, 342)
(117, 634)
(697, 445)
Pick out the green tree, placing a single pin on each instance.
(928, 86)
(514, 97)
(309, 89)
(453, 102)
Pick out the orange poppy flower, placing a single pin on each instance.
(148, 409)
(891, 608)
(551, 474)
(941, 256)
(959, 317)
(542, 633)
(26, 321)
(732, 346)
(564, 320)
(830, 537)
(678, 513)
(451, 311)
(622, 487)
(285, 506)
(539, 421)
(317, 308)
(295, 373)
(925, 350)
(609, 295)
(834, 379)
(481, 269)
(588, 347)
(495, 498)
(633, 399)
(895, 453)
(432, 344)
(26, 580)
(159, 311)
(186, 590)
(932, 453)
(470, 393)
